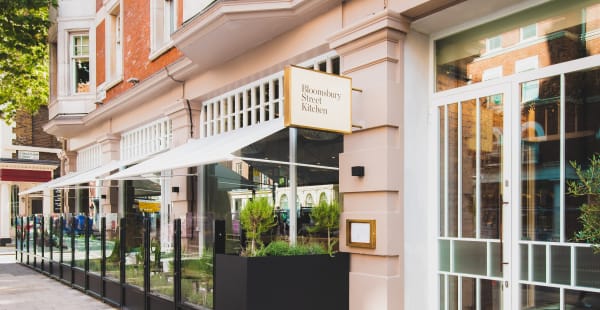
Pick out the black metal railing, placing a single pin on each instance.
(124, 264)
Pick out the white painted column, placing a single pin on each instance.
(4, 210)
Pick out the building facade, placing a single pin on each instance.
(465, 118)
(29, 157)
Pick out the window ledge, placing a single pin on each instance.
(154, 54)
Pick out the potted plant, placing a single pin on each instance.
(257, 218)
(326, 217)
(588, 184)
(279, 276)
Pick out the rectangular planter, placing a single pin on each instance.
(79, 277)
(95, 283)
(113, 291)
(282, 282)
(134, 297)
(67, 272)
(158, 302)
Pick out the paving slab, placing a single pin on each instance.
(22, 288)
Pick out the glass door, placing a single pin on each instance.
(474, 205)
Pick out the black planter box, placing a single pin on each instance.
(79, 277)
(282, 282)
(113, 291)
(95, 283)
(134, 297)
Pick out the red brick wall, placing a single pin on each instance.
(100, 53)
(136, 47)
(28, 132)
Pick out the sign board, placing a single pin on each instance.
(361, 233)
(28, 155)
(57, 200)
(317, 100)
(149, 206)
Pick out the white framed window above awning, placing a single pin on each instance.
(202, 151)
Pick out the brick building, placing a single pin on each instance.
(465, 116)
(29, 157)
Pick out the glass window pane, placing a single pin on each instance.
(539, 297)
(444, 255)
(540, 156)
(582, 133)
(539, 263)
(469, 293)
(491, 132)
(561, 264)
(453, 170)
(588, 268)
(524, 251)
(491, 294)
(470, 257)
(442, 177)
(496, 259)
(469, 167)
(552, 30)
(452, 293)
(582, 300)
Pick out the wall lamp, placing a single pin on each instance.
(175, 189)
(358, 171)
(102, 196)
(133, 80)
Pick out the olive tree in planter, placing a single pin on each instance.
(588, 184)
(326, 217)
(292, 280)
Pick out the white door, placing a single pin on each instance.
(475, 270)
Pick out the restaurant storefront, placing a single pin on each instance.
(517, 104)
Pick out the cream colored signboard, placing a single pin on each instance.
(317, 100)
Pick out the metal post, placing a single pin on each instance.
(293, 186)
(177, 263)
(86, 264)
(27, 240)
(34, 242)
(43, 235)
(73, 227)
(51, 243)
(61, 224)
(103, 249)
(122, 248)
(146, 250)
(17, 238)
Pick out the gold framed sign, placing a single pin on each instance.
(361, 233)
(317, 100)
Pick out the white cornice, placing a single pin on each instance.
(22, 166)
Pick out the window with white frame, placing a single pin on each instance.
(146, 140)
(163, 23)
(492, 73)
(114, 37)
(528, 32)
(529, 90)
(80, 62)
(493, 43)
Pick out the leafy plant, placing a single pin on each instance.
(283, 248)
(326, 217)
(257, 218)
(588, 184)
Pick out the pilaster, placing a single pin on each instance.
(371, 53)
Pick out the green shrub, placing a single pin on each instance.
(282, 248)
(256, 218)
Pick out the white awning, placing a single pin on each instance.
(86, 176)
(43, 186)
(203, 151)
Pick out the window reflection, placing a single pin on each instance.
(556, 32)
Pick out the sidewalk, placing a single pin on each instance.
(22, 288)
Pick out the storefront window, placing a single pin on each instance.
(556, 31)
